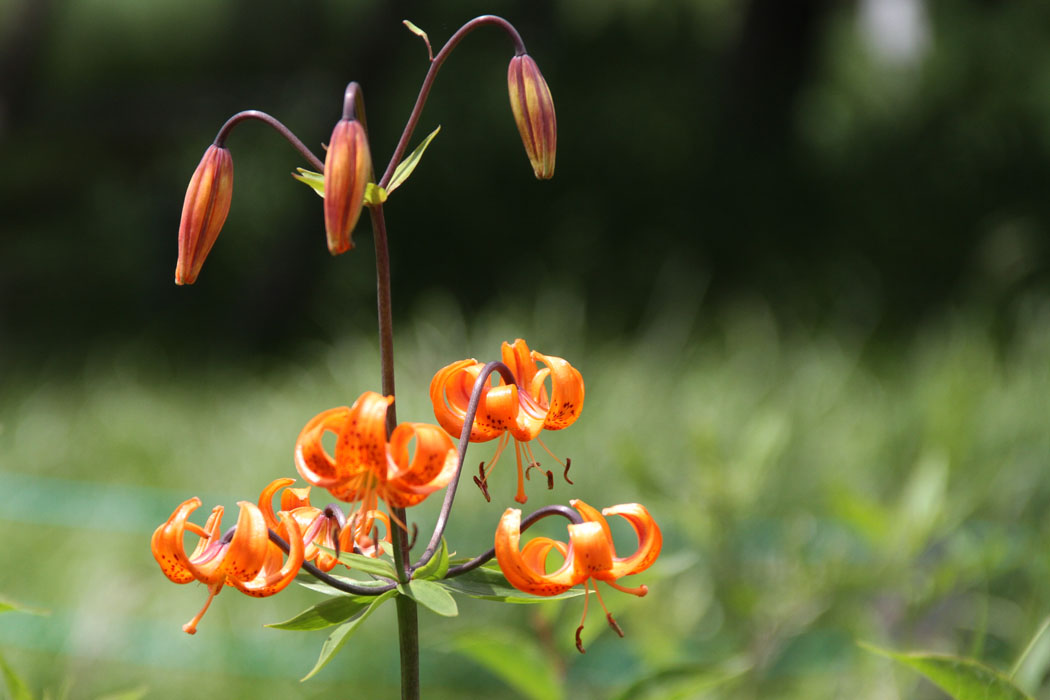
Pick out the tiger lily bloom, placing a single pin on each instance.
(589, 555)
(520, 410)
(244, 557)
(367, 466)
(322, 528)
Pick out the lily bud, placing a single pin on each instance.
(347, 169)
(530, 100)
(204, 211)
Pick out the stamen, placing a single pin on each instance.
(544, 446)
(568, 463)
(638, 590)
(197, 530)
(482, 484)
(608, 615)
(548, 472)
(191, 626)
(504, 440)
(412, 543)
(586, 598)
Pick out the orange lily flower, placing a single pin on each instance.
(519, 410)
(588, 555)
(321, 529)
(247, 560)
(367, 466)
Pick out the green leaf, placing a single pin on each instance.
(437, 567)
(684, 681)
(431, 595)
(366, 565)
(963, 679)
(338, 638)
(16, 687)
(311, 179)
(516, 659)
(326, 613)
(489, 584)
(414, 29)
(405, 167)
(374, 194)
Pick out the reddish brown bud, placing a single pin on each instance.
(347, 169)
(530, 100)
(204, 211)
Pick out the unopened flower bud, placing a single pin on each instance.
(530, 100)
(204, 211)
(347, 169)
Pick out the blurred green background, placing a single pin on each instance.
(798, 250)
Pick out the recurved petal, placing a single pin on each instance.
(166, 543)
(273, 577)
(567, 392)
(266, 499)
(362, 444)
(450, 391)
(204, 211)
(428, 468)
(246, 554)
(650, 540)
(311, 459)
(592, 553)
(519, 574)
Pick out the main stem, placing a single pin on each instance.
(407, 614)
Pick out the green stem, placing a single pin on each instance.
(1028, 649)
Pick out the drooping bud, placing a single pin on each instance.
(347, 169)
(530, 100)
(204, 211)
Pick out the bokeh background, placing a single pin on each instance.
(798, 250)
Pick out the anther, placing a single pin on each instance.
(411, 544)
(227, 536)
(613, 624)
(579, 642)
(568, 463)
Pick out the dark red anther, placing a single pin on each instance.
(568, 463)
(482, 484)
(613, 624)
(415, 534)
(579, 642)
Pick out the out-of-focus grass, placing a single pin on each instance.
(812, 490)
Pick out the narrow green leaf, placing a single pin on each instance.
(366, 565)
(516, 659)
(963, 679)
(338, 638)
(326, 613)
(405, 167)
(16, 687)
(489, 584)
(437, 567)
(414, 29)
(431, 595)
(311, 179)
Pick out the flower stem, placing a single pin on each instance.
(428, 81)
(277, 126)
